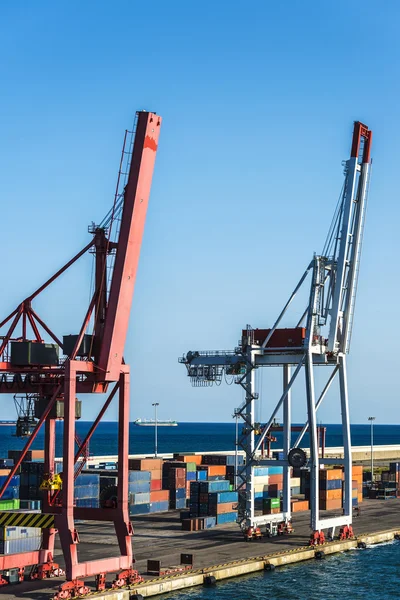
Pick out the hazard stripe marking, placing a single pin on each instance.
(12, 519)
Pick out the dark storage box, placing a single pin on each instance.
(86, 347)
(57, 412)
(33, 353)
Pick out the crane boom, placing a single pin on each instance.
(136, 196)
(350, 239)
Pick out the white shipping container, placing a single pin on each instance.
(16, 533)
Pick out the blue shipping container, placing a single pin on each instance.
(191, 476)
(14, 481)
(140, 498)
(329, 484)
(230, 460)
(214, 486)
(139, 509)
(275, 470)
(201, 475)
(178, 503)
(177, 494)
(87, 478)
(227, 518)
(210, 522)
(139, 476)
(159, 506)
(136, 487)
(221, 497)
(261, 471)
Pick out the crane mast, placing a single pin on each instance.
(321, 337)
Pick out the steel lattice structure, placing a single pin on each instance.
(321, 338)
(91, 364)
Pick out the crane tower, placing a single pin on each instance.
(320, 338)
(51, 375)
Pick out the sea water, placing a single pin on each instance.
(371, 574)
(188, 437)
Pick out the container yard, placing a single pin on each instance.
(72, 526)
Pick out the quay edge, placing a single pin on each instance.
(165, 584)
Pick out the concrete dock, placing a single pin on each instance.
(159, 536)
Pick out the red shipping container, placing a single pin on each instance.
(180, 483)
(155, 484)
(159, 496)
(281, 338)
(276, 479)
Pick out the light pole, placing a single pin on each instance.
(236, 415)
(372, 419)
(155, 404)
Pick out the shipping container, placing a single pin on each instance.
(214, 486)
(230, 517)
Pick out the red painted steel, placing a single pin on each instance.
(63, 381)
(136, 198)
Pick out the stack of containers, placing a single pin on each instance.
(271, 506)
(151, 498)
(275, 482)
(13, 490)
(174, 483)
(32, 474)
(20, 539)
(261, 484)
(191, 468)
(213, 499)
(139, 484)
(357, 475)
(330, 489)
(87, 490)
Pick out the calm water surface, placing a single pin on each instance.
(371, 574)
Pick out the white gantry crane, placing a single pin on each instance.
(321, 337)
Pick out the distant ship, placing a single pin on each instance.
(152, 423)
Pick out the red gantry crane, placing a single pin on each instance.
(90, 363)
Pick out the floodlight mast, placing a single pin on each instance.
(323, 340)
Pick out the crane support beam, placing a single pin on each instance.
(136, 197)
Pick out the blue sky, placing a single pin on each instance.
(258, 101)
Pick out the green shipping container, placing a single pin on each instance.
(9, 504)
(271, 503)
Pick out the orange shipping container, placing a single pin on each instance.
(196, 458)
(360, 497)
(300, 506)
(275, 479)
(330, 474)
(330, 504)
(145, 464)
(37, 454)
(330, 494)
(225, 507)
(156, 474)
(159, 496)
(214, 470)
(4, 472)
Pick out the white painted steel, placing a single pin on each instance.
(287, 433)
